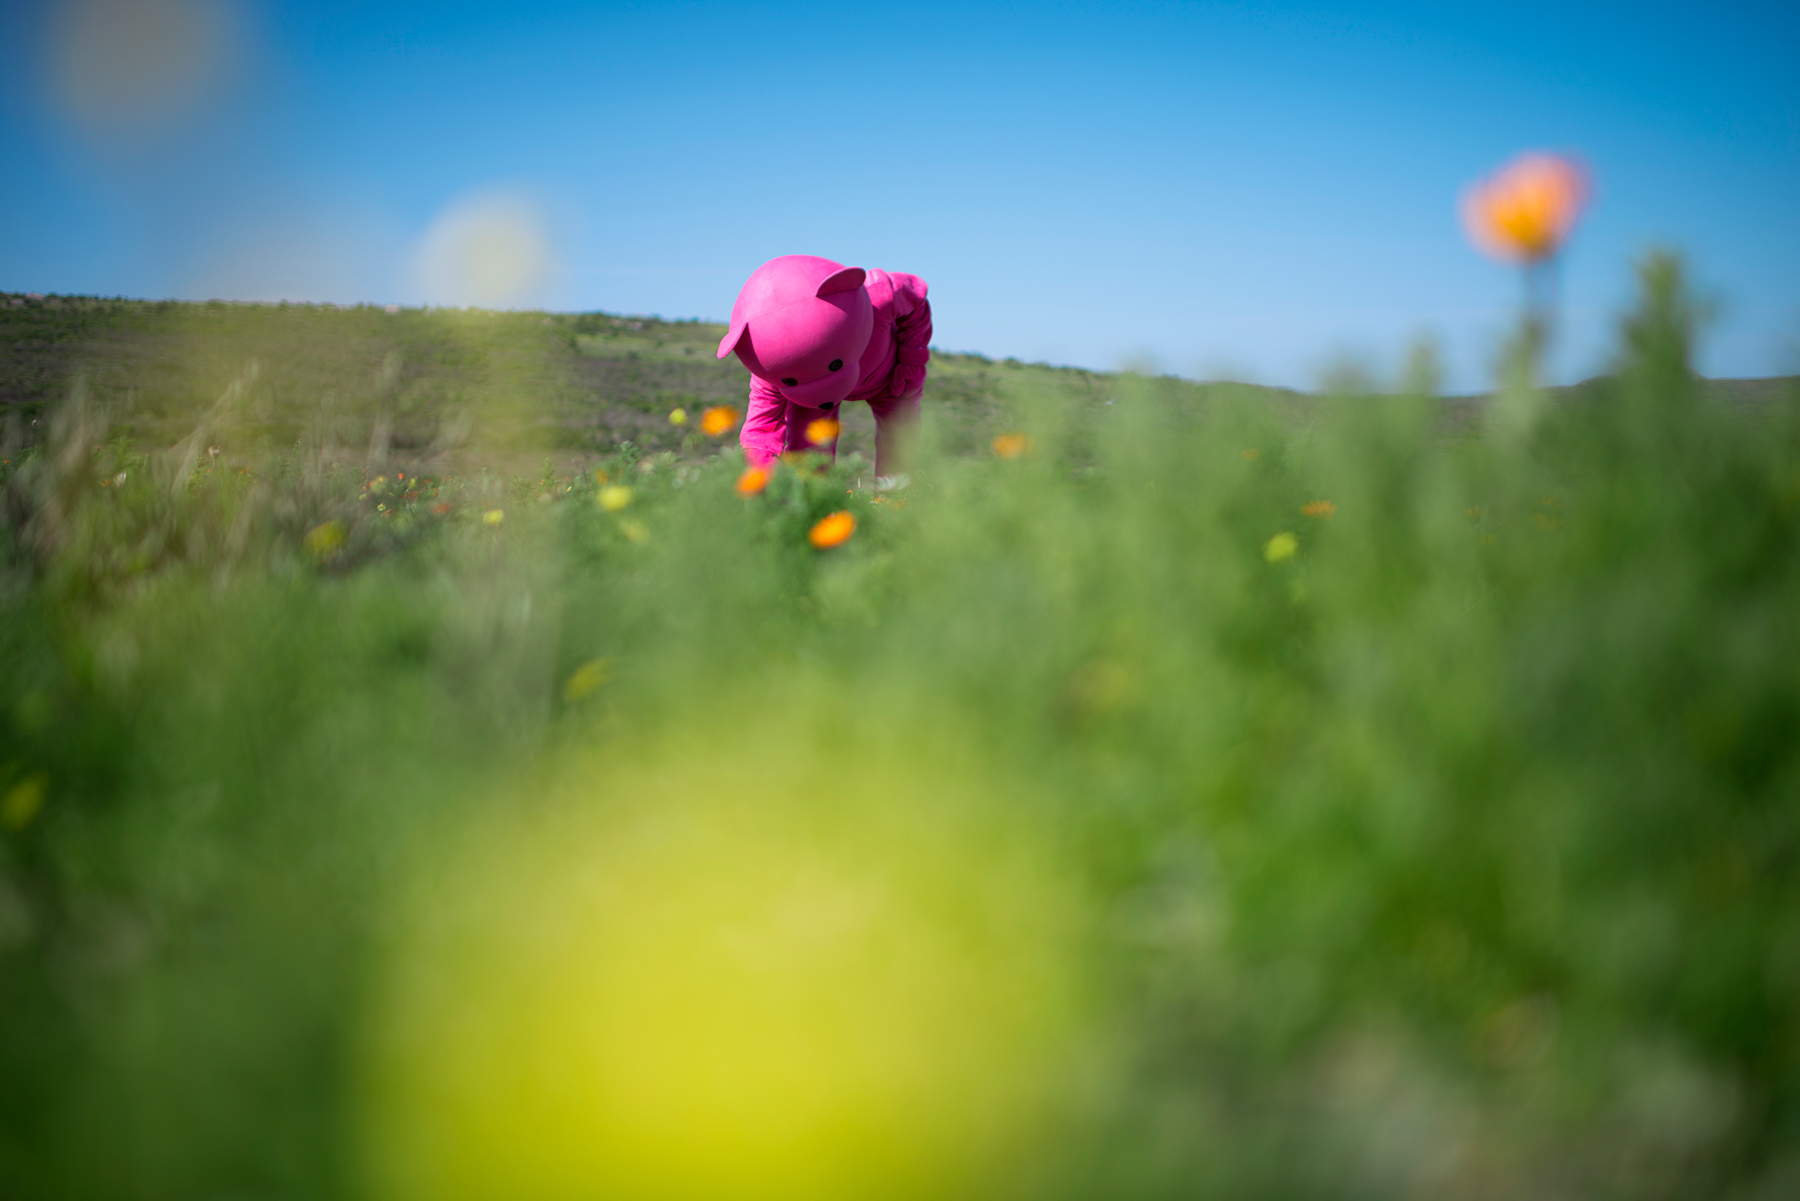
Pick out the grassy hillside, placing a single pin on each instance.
(448, 389)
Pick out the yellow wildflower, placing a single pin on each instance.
(613, 497)
(677, 416)
(1011, 446)
(23, 800)
(634, 530)
(1281, 546)
(586, 678)
(494, 516)
(325, 539)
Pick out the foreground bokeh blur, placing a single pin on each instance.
(756, 964)
(1194, 794)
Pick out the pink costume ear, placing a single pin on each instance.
(732, 337)
(842, 281)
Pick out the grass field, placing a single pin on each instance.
(453, 787)
(452, 389)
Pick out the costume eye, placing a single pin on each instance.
(837, 364)
(790, 381)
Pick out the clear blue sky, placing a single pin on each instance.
(1255, 191)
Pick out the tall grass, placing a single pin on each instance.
(1290, 808)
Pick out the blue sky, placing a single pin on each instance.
(1254, 191)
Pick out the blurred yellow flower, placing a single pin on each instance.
(1250, 456)
(832, 530)
(822, 430)
(325, 539)
(613, 497)
(1523, 212)
(1281, 546)
(634, 531)
(23, 800)
(677, 416)
(718, 419)
(1318, 508)
(1011, 446)
(754, 480)
(584, 679)
(494, 516)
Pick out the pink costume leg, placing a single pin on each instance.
(895, 417)
(765, 429)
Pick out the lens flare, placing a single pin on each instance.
(724, 977)
(117, 65)
(491, 250)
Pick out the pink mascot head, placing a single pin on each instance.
(802, 323)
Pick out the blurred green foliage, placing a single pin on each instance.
(1452, 853)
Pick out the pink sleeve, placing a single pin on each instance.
(912, 333)
(764, 433)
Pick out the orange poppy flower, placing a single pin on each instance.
(754, 480)
(1523, 212)
(718, 419)
(822, 430)
(1319, 508)
(832, 530)
(1011, 446)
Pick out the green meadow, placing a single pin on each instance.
(423, 774)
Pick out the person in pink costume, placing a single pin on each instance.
(816, 334)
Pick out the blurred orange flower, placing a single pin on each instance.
(754, 480)
(822, 430)
(1319, 508)
(1011, 446)
(833, 529)
(718, 419)
(1524, 210)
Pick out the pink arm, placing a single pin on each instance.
(765, 425)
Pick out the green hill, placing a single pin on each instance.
(459, 388)
(444, 384)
